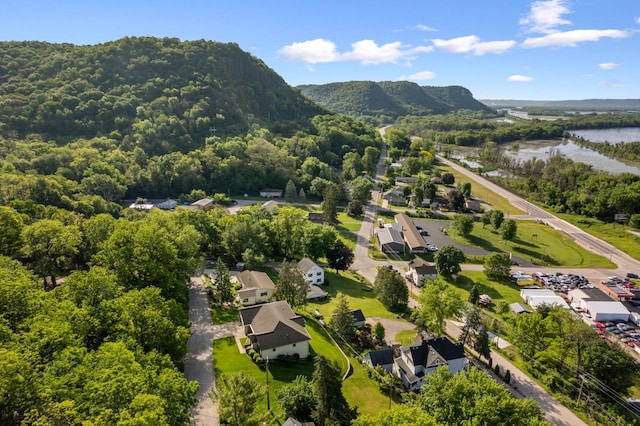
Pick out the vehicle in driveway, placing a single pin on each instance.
(432, 248)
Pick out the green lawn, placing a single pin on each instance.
(223, 316)
(498, 291)
(363, 392)
(615, 234)
(548, 247)
(348, 238)
(483, 193)
(406, 337)
(348, 223)
(356, 294)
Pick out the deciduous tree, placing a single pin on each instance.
(497, 266)
(340, 257)
(448, 260)
(463, 224)
(508, 230)
(438, 301)
(391, 289)
(291, 285)
(237, 395)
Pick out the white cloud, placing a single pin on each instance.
(365, 51)
(572, 38)
(495, 47)
(610, 84)
(519, 78)
(312, 51)
(608, 65)
(545, 16)
(473, 44)
(422, 27)
(419, 76)
(638, 20)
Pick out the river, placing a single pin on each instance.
(613, 136)
(543, 149)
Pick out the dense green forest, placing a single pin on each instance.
(157, 94)
(383, 102)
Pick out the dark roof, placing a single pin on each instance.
(422, 267)
(316, 218)
(595, 294)
(274, 324)
(358, 316)
(381, 357)
(390, 236)
(421, 354)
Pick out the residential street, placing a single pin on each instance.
(198, 364)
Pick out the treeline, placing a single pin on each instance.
(89, 175)
(628, 151)
(470, 131)
(160, 95)
(567, 186)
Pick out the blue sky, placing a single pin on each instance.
(499, 49)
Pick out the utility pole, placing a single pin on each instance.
(267, 374)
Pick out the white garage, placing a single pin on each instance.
(607, 311)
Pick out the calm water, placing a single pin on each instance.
(613, 136)
(545, 148)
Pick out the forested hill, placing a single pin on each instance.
(387, 100)
(161, 89)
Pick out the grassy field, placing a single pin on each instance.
(498, 291)
(356, 293)
(223, 316)
(483, 193)
(348, 223)
(406, 337)
(615, 234)
(548, 247)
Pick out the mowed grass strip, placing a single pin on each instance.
(348, 223)
(356, 294)
(619, 236)
(534, 242)
(482, 192)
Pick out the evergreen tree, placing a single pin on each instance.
(378, 331)
(474, 294)
(330, 204)
(222, 285)
(342, 320)
(331, 406)
(290, 192)
(302, 195)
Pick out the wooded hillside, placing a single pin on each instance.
(385, 101)
(142, 91)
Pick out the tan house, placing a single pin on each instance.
(257, 287)
(273, 329)
(203, 204)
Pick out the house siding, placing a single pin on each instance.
(300, 348)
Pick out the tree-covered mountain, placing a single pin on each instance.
(143, 89)
(388, 100)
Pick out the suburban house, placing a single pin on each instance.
(271, 193)
(359, 320)
(424, 356)
(273, 329)
(167, 204)
(390, 240)
(312, 272)
(203, 204)
(257, 287)
(316, 218)
(381, 357)
(420, 270)
(473, 205)
(410, 233)
(395, 197)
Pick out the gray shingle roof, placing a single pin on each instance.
(274, 324)
(255, 279)
(306, 264)
(380, 357)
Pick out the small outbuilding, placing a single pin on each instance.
(390, 241)
(519, 308)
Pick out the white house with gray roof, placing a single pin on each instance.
(313, 273)
(257, 287)
(273, 329)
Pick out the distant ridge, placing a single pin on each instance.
(389, 100)
(594, 104)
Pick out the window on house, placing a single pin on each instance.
(264, 293)
(294, 345)
(245, 300)
(319, 273)
(310, 274)
(274, 349)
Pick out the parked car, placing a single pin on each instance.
(432, 248)
(632, 276)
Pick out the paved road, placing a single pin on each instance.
(198, 364)
(555, 412)
(624, 262)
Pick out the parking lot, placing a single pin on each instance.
(440, 239)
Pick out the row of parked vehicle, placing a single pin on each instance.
(626, 333)
(560, 282)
